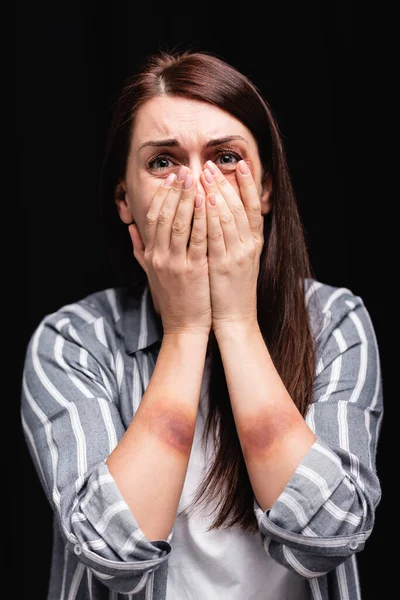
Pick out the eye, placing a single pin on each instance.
(228, 158)
(160, 162)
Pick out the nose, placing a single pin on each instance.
(197, 169)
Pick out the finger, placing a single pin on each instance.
(215, 236)
(227, 224)
(183, 217)
(138, 245)
(167, 213)
(198, 237)
(137, 242)
(151, 220)
(250, 197)
(234, 202)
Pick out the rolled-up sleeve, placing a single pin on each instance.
(327, 510)
(72, 422)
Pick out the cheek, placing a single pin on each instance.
(141, 191)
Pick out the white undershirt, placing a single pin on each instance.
(223, 563)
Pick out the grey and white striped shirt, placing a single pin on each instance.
(87, 367)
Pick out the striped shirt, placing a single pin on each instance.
(87, 367)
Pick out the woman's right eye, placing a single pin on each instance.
(160, 162)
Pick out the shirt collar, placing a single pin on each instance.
(142, 325)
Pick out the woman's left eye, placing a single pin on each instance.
(228, 158)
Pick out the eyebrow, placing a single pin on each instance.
(172, 142)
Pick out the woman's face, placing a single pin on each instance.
(171, 131)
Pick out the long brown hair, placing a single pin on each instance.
(284, 263)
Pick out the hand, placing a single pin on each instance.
(177, 270)
(235, 241)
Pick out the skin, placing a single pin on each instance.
(192, 124)
(273, 434)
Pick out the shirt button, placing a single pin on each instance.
(77, 549)
(353, 544)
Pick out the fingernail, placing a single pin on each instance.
(243, 168)
(198, 201)
(212, 199)
(181, 174)
(188, 182)
(212, 167)
(170, 179)
(209, 178)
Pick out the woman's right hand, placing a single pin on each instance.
(175, 256)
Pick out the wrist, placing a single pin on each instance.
(232, 330)
(190, 335)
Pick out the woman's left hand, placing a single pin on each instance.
(235, 240)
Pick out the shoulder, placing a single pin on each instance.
(93, 317)
(337, 310)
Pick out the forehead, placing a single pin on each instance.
(185, 119)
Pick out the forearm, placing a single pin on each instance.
(274, 436)
(149, 464)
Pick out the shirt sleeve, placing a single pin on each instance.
(327, 510)
(71, 423)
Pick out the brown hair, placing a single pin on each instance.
(284, 262)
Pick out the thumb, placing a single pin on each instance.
(138, 246)
(136, 238)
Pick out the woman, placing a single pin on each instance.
(209, 428)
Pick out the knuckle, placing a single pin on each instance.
(222, 181)
(187, 195)
(227, 219)
(177, 185)
(197, 239)
(165, 217)
(217, 236)
(199, 218)
(175, 268)
(224, 268)
(237, 209)
(157, 263)
(179, 227)
(151, 220)
(255, 208)
(147, 255)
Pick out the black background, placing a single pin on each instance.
(72, 59)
